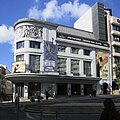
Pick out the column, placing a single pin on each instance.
(93, 63)
(82, 89)
(13, 92)
(69, 89)
(25, 90)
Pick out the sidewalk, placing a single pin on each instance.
(67, 100)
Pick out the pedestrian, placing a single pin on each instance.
(94, 93)
(17, 100)
(90, 93)
(109, 112)
(46, 94)
(38, 95)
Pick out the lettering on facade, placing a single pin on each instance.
(28, 31)
(59, 35)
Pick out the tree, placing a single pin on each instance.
(117, 73)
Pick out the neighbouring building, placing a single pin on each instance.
(96, 20)
(113, 27)
(60, 59)
(99, 20)
(5, 85)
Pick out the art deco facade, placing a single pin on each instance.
(57, 58)
(60, 59)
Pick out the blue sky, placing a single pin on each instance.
(64, 12)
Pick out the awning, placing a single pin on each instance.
(34, 77)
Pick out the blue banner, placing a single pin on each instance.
(50, 56)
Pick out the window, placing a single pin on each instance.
(75, 67)
(117, 59)
(115, 27)
(19, 58)
(34, 44)
(62, 65)
(87, 68)
(20, 45)
(74, 50)
(117, 49)
(61, 48)
(116, 38)
(86, 52)
(34, 63)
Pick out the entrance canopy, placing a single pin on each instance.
(33, 77)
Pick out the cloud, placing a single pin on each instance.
(36, 1)
(7, 35)
(54, 11)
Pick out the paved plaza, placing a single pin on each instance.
(60, 108)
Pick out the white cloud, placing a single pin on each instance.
(54, 11)
(7, 35)
(36, 1)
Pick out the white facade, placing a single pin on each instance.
(85, 22)
(113, 25)
(76, 73)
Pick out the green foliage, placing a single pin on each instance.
(117, 73)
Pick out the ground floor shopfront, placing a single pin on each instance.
(27, 85)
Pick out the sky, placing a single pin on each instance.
(64, 12)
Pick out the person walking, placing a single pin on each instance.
(46, 94)
(109, 112)
(38, 95)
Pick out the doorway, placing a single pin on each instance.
(62, 89)
(75, 89)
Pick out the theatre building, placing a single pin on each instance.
(56, 58)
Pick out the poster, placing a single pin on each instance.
(50, 56)
(102, 64)
(18, 67)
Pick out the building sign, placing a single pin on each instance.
(28, 31)
(50, 56)
(69, 37)
(102, 64)
(18, 67)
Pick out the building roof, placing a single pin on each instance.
(76, 32)
(60, 28)
(34, 21)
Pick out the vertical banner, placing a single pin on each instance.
(102, 64)
(50, 56)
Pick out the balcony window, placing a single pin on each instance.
(62, 66)
(61, 48)
(116, 38)
(34, 44)
(19, 58)
(87, 52)
(20, 45)
(75, 67)
(87, 68)
(117, 59)
(34, 63)
(74, 50)
(115, 27)
(117, 49)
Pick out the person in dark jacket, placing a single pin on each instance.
(109, 112)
